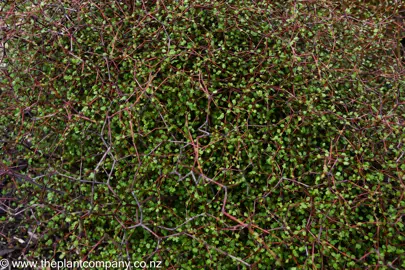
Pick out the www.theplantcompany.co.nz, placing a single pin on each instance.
(65, 264)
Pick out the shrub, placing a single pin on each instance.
(207, 134)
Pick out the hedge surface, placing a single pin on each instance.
(204, 134)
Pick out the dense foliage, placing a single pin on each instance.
(216, 134)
